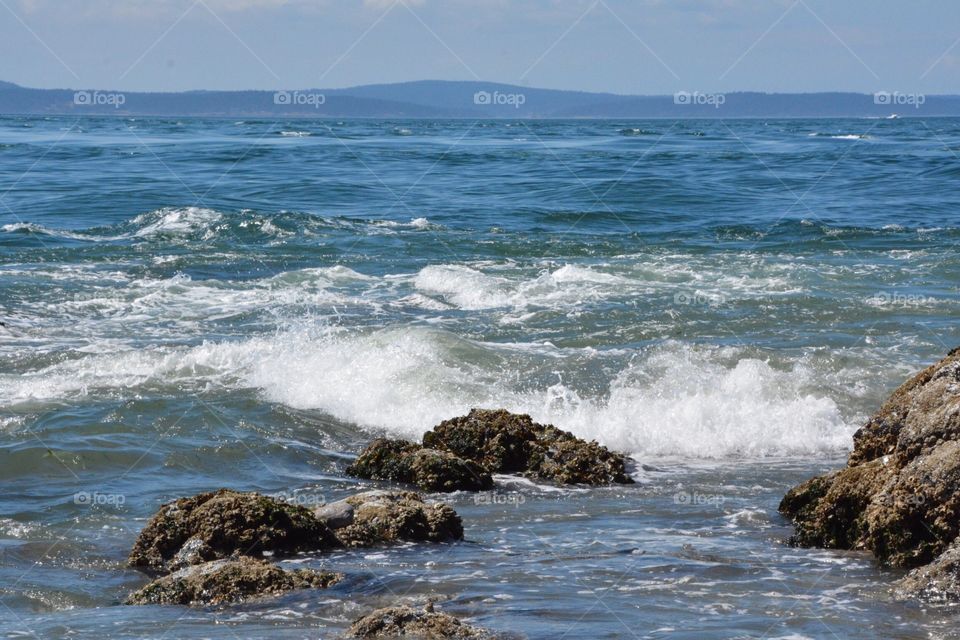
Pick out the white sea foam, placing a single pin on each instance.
(571, 286)
(840, 136)
(176, 221)
(673, 400)
(473, 289)
(37, 229)
(167, 221)
(575, 273)
(464, 287)
(701, 402)
(415, 223)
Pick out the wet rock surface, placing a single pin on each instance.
(229, 581)
(461, 453)
(222, 524)
(427, 469)
(385, 517)
(211, 542)
(226, 524)
(830, 511)
(899, 496)
(937, 582)
(504, 442)
(407, 622)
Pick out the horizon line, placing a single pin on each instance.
(484, 82)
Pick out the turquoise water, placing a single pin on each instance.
(190, 304)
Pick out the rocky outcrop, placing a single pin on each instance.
(229, 581)
(830, 511)
(916, 515)
(937, 582)
(492, 442)
(917, 417)
(222, 524)
(226, 524)
(504, 442)
(212, 542)
(405, 621)
(427, 469)
(384, 517)
(899, 495)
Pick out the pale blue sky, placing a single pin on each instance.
(622, 46)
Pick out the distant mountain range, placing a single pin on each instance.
(441, 99)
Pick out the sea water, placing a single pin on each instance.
(190, 304)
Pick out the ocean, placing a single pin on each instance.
(190, 304)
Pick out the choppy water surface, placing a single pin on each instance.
(201, 303)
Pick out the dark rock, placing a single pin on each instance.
(405, 621)
(427, 469)
(933, 416)
(899, 495)
(921, 413)
(435, 470)
(385, 459)
(499, 440)
(225, 523)
(226, 581)
(462, 453)
(917, 514)
(830, 511)
(937, 582)
(504, 442)
(800, 501)
(385, 517)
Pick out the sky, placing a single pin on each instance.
(619, 46)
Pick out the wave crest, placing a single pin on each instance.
(670, 400)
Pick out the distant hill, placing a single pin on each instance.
(441, 99)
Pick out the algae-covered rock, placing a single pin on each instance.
(406, 622)
(921, 414)
(937, 582)
(225, 523)
(830, 511)
(427, 469)
(499, 440)
(899, 496)
(504, 442)
(917, 514)
(228, 581)
(387, 517)
(462, 453)
(436, 470)
(385, 459)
